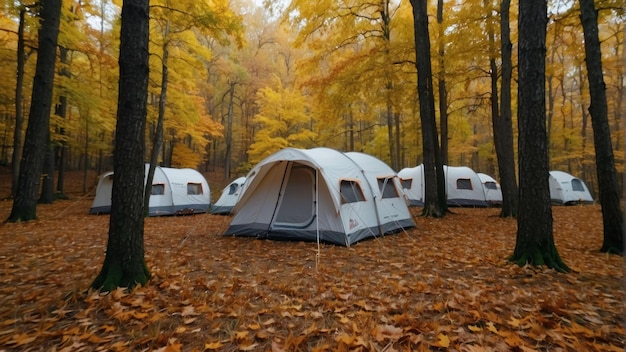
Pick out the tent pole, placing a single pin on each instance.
(317, 219)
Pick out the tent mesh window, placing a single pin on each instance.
(490, 185)
(406, 183)
(387, 188)
(157, 189)
(351, 192)
(194, 188)
(577, 185)
(233, 188)
(464, 183)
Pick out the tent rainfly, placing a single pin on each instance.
(491, 188)
(320, 195)
(174, 192)
(463, 186)
(228, 199)
(566, 189)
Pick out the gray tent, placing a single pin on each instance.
(320, 195)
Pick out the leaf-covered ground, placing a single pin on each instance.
(445, 285)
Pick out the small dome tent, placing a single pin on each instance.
(174, 191)
(412, 181)
(463, 186)
(320, 195)
(566, 189)
(228, 198)
(491, 188)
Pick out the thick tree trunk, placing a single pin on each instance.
(25, 201)
(434, 182)
(612, 216)
(124, 264)
(535, 241)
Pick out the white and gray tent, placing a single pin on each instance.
(463, 186)
(228, 198)
(320, 195)
(491, 188)
(566, 189)
(174, 191)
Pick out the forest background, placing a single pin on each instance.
(244, 81)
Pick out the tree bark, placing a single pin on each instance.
(434, 186)
(612, 217)
(31, 165)
(535, 241)
(124, 264)
(443, 93)
(19, 114)
(47, 176)
(61, 148)
(158, 136)
(503, 124)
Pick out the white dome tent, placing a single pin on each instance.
(174, 192)
(491, 188)
(320, 195)
(228, 198)
(463, 186)
(566, 189)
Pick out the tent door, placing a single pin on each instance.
(296, 208)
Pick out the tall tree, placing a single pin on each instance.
(25, 201)
(19, 115)
(503, 124)
(441, 78)
(124, 264)
(435, 200)
(535, 241)
(612, 217)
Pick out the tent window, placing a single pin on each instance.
(406, 183)
(464, 183)
(350, 192)
(491, 185)
(233, 188)
(158, 189)
(577, 185)
(387, 187)
(194, 188)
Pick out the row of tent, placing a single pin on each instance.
(464, 187)
(322, 195)
(467, 188)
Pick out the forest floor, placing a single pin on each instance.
(444, 285)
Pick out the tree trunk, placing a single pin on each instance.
(25, 202)
(124, 264)
(443, 93)
(612, 216)
(535, 241)
(503, 124)
(229, 129)
(62, 112)
(19, 114)
(433, 168)
(158, 136)
(47, 177)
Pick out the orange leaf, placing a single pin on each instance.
(213, 345)
(442, 341)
